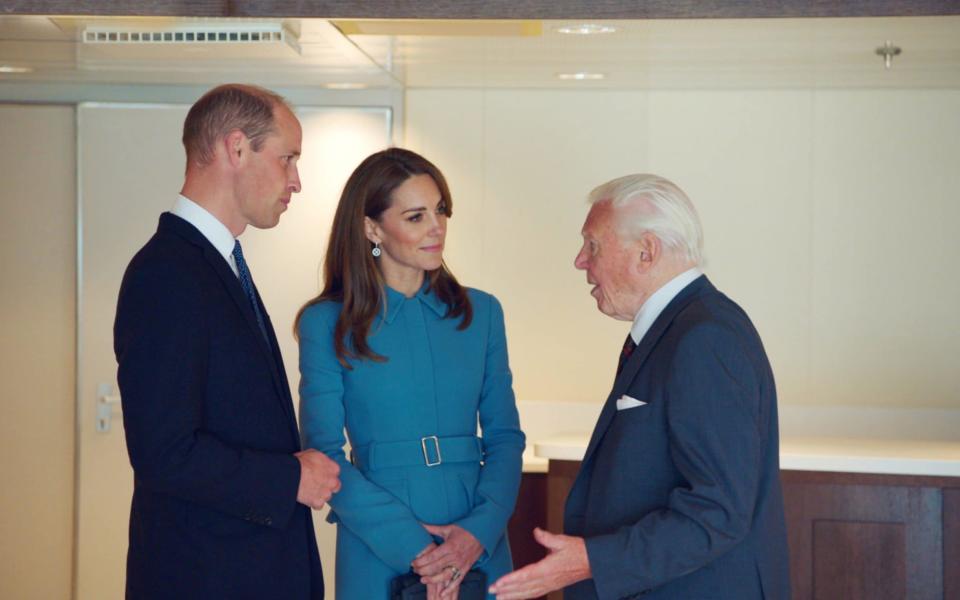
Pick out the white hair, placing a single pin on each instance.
(649, 203)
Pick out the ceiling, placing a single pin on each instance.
(637, 54)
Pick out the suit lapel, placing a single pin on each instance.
(232, 285)
(269, 348)
(640, 355)
(278, 371)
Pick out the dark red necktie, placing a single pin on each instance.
(628, 347)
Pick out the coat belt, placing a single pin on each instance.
(429, 451)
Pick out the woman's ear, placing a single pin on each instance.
(372, 230)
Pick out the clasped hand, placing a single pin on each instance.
(442, 567)
(319, 478)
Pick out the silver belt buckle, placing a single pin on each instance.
(426, 455)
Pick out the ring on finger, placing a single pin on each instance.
(454, 574)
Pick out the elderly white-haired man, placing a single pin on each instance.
(678, 495)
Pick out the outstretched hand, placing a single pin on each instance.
(565, 564)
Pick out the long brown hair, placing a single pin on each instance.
(350, 273)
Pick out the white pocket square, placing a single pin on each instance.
(625, 402)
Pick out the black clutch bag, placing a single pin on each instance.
(408, 587)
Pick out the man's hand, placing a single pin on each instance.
(446, 564)
(319, 478)
(565, 564)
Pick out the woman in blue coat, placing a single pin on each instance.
(408, 361)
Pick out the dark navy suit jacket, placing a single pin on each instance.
(680, 497)
(210, 431)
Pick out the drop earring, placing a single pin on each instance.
(376, 250)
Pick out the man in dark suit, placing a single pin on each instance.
(678, 495)
(222, 493)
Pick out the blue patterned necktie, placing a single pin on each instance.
(246, 282)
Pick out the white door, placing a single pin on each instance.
(130, 166)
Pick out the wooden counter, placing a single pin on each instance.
(866, 518)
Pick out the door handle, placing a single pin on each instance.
(106, 401)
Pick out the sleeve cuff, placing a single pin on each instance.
(488, 540)
(611, 577)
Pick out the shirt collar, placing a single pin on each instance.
(659, 300)
(216, 232)
(395, 301)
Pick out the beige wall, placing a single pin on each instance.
(828, 216)
(37, 271)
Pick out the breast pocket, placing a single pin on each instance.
(634, 413)
(633, 426)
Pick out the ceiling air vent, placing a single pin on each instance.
(249, 33)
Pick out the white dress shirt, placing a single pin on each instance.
(659, 300)
(211, 228)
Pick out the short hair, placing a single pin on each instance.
(226, 108)
(650, 203)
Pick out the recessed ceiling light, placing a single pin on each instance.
(581, 76)
(345, 86)
(13, 69)
(585, 29)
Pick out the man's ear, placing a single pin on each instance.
(372, 230)
(650, 250)
(235, 145)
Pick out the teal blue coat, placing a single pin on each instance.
(437, 381)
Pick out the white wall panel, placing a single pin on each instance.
(828, 216)
(743, 157)
(447, 127)
(886, 329)
(38, 316)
